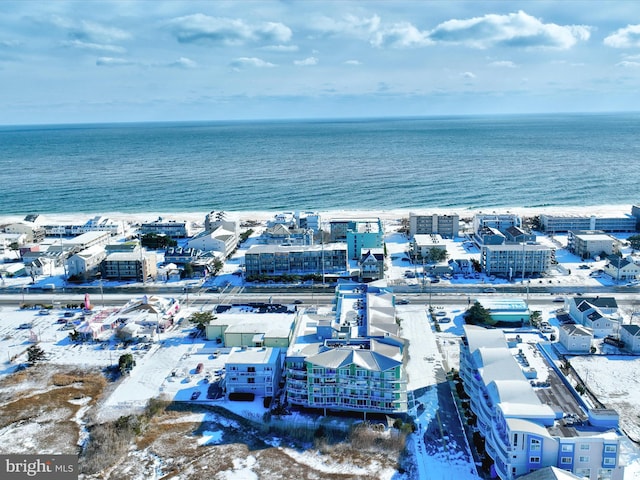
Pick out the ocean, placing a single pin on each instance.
(472, 162)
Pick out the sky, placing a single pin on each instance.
(123, 61)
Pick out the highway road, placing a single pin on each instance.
(202, 296)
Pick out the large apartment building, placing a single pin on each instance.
(359, 235)
(527, 427)
(447, 226)
(516, 260)
(296, 259)
(357, 362)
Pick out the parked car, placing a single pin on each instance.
(559, 299)
(199, 368)
(402, 301)
(195, 395)
(489, 290)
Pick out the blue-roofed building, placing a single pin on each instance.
(513, 311)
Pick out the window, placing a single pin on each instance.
(534, 459)
(251, 369)
(534, 445)
(584, 459)
(585, 446)
(609, 461)
(565, 460)
(567, 448)
(515, 439)
(583, 472)
(610, 448)
(251, 380)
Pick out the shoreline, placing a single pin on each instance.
(386, 215)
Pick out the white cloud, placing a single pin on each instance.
(93, 46)
(184, 62)
(503, 64)
(352, 62)
(99, 33)
(306, 62)
(513, 30)
(628, 64)
(400, 35)
(242, 62)
(351, 25)
(281, 48)
(113, 62)
(628, 37)
(468, 75)
(227, 31)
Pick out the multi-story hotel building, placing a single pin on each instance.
(357, 362)
(527, 427)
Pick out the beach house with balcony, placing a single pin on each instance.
(254, 371)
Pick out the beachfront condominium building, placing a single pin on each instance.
(138, 265)
(527, 427)
(422, 246)
(356, 361)
(500, 222)
(516, 261)
(446, 226)
(330, 259)
(309, 220)
(359, 235)
(253, 370)
(170, 228)
(565, 223)
(590, 243)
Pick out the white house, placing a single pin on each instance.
(600, 314)
(630, 335)
(575, 338)
(219, 240)
(87, 262)
(621, 269)
(253, 370)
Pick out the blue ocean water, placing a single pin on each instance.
(376, 164)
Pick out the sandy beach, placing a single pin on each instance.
(385, 215)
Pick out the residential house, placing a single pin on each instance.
(220, 240)
(575, 338)
(600, 314)
(255, 371)
(309, 220)
(621, 269)
(529, 425)
(371, 265)
(447, 226)
(630, 336)
(33, 233)
(86, 264)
